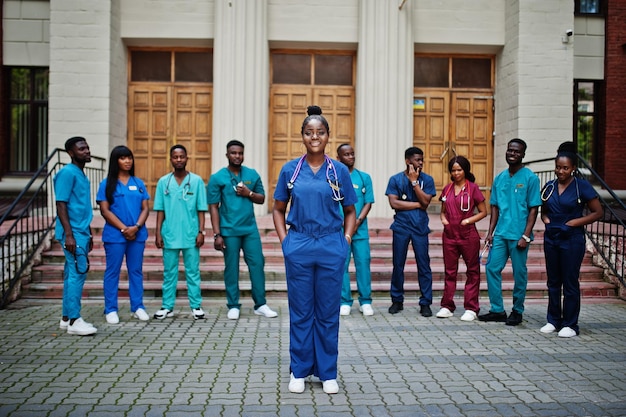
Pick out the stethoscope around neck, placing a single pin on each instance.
(548, 190)
(464, 198)
(333, 181)
(186, 187)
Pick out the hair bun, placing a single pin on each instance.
(568, 147)
(314, 110)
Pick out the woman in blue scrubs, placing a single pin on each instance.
(123, 200)
(564, 201)
(315, 249)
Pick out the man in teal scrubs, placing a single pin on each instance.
(72, 192)
(232, 193)
(360, 244)
(515, 200)
(180, 203)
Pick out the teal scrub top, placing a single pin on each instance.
(72, 186)
(515, 196)
(362, 184)
(236, 212)
(181, 204)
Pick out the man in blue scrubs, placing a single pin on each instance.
(180, 203)
(515, 200)
(360, 245)
(74, 213)
(232, 193)
(409, 193)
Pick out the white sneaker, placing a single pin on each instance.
(233, 313)
(296, 385)
(444, 313)
(112, 317)
(330, 386)
(198, 313)
(163, 313)
(265, 311)
(469, 315)
(140, 314)
(344, 310)
(63, 324)
(81, 328)
(548, 328)
(367, 310)
(567, 332)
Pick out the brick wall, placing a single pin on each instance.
(615, 96)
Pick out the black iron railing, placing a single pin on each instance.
(608, 235)
(23, 231)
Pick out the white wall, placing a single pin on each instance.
(588, 40)
(26, 33)
(168, 22)
(534, 79)
(80, 73)
(458, 26)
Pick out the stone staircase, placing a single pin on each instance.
(47, 278)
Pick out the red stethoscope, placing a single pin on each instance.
(464, 197)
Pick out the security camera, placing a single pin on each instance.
(569, 32)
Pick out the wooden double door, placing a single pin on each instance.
(449, 123)
(160, 116)
(288, 106)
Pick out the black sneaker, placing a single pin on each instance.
(498, 317)
(426, 311)
(396, 306)
(514, 319)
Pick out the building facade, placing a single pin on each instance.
(451, 77)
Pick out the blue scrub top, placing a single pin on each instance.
(515, 196)
(313, 210)
(181, 204)
(415, 220)
(72, 186)
(127, 200)
(364, 190)
(236, 212)
(564, 207)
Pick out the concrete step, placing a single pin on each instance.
(46, 280)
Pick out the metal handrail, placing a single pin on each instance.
(608, 235)
(21, 239)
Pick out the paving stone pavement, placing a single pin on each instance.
(400, 365)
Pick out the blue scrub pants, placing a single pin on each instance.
(115, 253)
(360, 249)
(500, 252)
(253, 255)
(73, 282)
(400, 246)
(563, 260)
(191, 260)
(314, 267)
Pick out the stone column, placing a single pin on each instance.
(384, 92)
(241, 82)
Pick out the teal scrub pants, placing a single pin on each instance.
(501, 250)
(73, 279)
(360, 250)
(191, 260)
(253, 255)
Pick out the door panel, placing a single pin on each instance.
(430, 134)
(471, 134)
(453, 123)
(148, 120)
(288, 106)
(163, 115)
